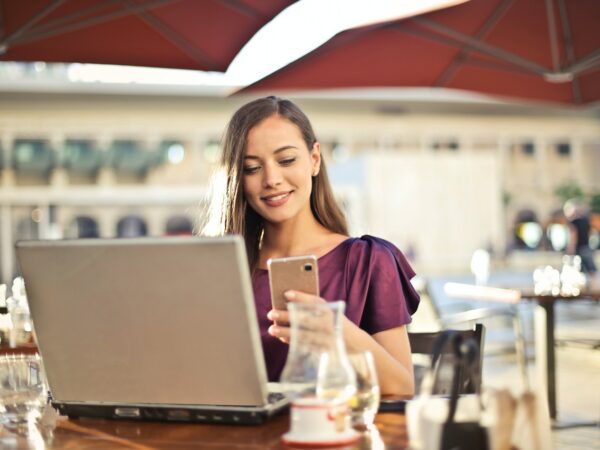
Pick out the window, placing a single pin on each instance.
(528, 233)
(131, 226)
(82, 157)
(83, 227)
(171, 152)
(558, 236)
(563, 149)
(450, 144)
(179, 226)
(528, 148)
(32, 155)
(128, 157)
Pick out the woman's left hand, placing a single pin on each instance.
(281, 329)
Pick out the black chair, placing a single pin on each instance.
(422, 343)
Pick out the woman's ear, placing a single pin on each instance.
(315, 156)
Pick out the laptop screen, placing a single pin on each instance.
(147, 320)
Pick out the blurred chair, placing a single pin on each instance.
(503, 302)
(422, 344)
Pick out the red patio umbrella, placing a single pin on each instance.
(547, 50)
(185, 34)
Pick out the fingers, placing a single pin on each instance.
(302, 297)
(316, 326)
(280, 332)
(280, 317)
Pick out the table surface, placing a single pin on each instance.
(588, 294)
(84, 434)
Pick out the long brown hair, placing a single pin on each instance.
(235, 215)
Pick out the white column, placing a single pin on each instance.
(426, 144)
(465, 144)
(59, 175)
(503, 146)
(504, 161)
(541, 155)
(577, 163)
(8, 172)
(106, 175)
(6, 244)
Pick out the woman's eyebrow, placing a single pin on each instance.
(276, 151)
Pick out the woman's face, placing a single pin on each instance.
(278, 169)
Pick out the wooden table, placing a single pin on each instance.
(24, 349)
(544, 324)
(88, 434)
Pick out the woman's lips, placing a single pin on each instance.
(277, 199)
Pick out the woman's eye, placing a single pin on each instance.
(287, 162)
(250, 170)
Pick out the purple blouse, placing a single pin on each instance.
(369, 273)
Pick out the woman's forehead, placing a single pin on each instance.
(272, 133)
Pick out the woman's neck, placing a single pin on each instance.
(291, 238)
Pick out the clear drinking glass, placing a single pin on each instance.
(22, 390)
(365, 402)
(317, 363)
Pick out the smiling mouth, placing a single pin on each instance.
(277, 199)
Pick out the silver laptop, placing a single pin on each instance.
(149, 328)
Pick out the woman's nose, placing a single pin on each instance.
(272, 177)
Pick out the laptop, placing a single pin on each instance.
(149, 328)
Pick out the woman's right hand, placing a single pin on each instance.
(281, 324)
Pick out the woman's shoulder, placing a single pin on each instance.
(368, 244)
(371, 250)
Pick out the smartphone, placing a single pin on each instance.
(298, 273)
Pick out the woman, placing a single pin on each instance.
(278, 198)
(578, 221)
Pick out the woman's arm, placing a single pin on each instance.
(391, 351)
(390, 348)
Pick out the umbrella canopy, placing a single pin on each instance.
(547, 50)
(184, 34)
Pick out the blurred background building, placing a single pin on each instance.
(440, 177)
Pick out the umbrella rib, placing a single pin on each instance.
(568, 41)
(426, 34)
(552, 33)
(481, 46)
(70, 18)
(508, 67)
(32, 21)
(89, 22)
(465, 50)
(177, 39)
(244, 9)
(585, 63)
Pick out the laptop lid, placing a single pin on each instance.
(146, 320)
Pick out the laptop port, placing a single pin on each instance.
(178, 414)
(127, 412)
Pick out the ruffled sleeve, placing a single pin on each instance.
(380, 295)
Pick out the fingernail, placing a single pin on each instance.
(273, 330)
(290, 295)
(272, 315)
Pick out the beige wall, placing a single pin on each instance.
(444, 202)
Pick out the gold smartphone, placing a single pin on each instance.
(298, 273)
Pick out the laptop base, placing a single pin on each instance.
(252, 416)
